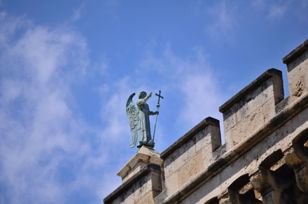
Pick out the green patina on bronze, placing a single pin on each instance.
(139, 119)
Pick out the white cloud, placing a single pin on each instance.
(191, 87)
(258, 4)
(224, 20)
(76, 14)
(202, 97)
(45, 152)
(277, 11)
(113, 111)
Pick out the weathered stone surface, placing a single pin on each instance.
(191, 157)
(140, 161)
(249, 162)
(142, 179)
(241, 191)
(133, 192)
(297, 63)
(252, 108)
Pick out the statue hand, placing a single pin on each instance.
(156, 112)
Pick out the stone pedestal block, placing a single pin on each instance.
(144, 157)
(142, 179)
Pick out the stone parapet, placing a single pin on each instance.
(251, 108)
(191, 154)
(297, 64)
(247, 159)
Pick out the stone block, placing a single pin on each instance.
(191, 154)
(131, 190)
(141, 160)
(190, 169)
(148, 199)
(297, 63)
(252, 107)
(142, 179)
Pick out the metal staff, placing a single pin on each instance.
(157, 106)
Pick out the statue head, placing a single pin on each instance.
(142, 94)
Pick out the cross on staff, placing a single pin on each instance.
(159, 97)
(157, 106)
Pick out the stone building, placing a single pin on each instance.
(264, 158)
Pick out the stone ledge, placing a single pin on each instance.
(189, 134)
(296, 52)
(129, 182)
(254, 84)
(230, 156)
(144, 157)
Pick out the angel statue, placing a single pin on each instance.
(139, 120)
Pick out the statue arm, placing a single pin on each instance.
(144, 100)
(148, 96)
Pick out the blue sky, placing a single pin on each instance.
(67, 68)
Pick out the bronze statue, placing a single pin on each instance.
(139, 119)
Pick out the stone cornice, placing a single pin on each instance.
(129, 182)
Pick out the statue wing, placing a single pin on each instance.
(133, 118)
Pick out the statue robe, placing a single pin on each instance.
(145, 128)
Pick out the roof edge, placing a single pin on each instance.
(205, 122)
(255, 83)
(295, 52)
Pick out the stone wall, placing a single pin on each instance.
(190, 155)
(252, 107)
(264, 159)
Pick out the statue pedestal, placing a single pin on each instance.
(144, 157)
(141, 179)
